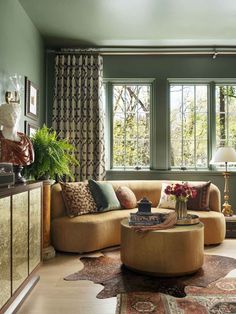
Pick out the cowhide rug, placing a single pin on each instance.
(116, 278)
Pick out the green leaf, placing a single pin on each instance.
(53, 155)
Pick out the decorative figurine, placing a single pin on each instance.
(15, 147)
(144, 205)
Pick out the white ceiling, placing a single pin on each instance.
(129, 23)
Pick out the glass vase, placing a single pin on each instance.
(181, 209)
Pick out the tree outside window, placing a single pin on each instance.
(226, 115)
(131, 125)
(188, 126)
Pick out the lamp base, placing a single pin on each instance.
(227, 209)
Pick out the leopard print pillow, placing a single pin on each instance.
(78, 199)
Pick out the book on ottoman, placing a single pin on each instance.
(144, 216)
(146, 219)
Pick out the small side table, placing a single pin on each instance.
(231, 226)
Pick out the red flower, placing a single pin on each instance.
(182, 191)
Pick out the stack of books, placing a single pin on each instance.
(146, 219)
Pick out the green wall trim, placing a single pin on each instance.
(21, 53)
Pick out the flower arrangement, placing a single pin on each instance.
(181, 192)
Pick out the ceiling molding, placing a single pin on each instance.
(212, 51)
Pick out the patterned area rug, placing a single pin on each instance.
(218, 298)
(116, 279)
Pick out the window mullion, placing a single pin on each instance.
(227, 117)
(182, 125)
(137, 132)
(195, 148)
(211, 112)
(125, 125)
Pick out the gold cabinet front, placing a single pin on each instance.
(19, 239)
(34, 228)
(5, 250)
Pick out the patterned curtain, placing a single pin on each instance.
(78, 113)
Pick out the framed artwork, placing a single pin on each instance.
(31, 99)
(30, 128)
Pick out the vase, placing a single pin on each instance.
(18, 177)
(181, 208)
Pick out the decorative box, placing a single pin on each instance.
(144, 206)
(7, 176)
(144, 216)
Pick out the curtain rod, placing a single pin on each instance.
(149, 51)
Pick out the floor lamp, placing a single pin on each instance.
(225, 155)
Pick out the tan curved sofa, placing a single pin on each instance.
(92, 232)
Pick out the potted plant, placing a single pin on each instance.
(53, 156)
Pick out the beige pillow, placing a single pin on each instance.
(78, 199)
(126, 197)
(166, 201)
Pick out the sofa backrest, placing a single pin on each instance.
(151, 189)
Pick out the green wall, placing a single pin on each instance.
(21, 53)
(161, 68)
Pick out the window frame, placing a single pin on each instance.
(227, 111)
(109, 83)
(161, 87)
(193, 82)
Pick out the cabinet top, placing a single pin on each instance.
(231, 218)
(18, 188)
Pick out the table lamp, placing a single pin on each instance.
(225, 155)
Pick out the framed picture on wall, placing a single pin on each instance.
(31, 99)
(30, 128)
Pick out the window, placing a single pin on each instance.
(131, 125)
(197, 122)
(188, 125)
(225, 115)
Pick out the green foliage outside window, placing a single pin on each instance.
(131, 126)
(188, 123)
(226, 115)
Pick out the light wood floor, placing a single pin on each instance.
(52, 294)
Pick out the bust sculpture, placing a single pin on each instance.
(15, 147)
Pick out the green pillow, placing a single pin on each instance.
(104, 195)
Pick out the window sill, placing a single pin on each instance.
(151, 172)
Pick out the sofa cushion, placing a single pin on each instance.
(104, 195)
(126, 197)
(201, 201)
(78, 199)
(166, 201)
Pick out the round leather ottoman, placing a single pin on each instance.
(171, 252)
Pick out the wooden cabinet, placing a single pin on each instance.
(231, 226)
(5, 249)
(20, 238)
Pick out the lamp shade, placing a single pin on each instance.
(223, 155)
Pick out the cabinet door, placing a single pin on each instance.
(34, 228)
(5, 250)
(19, 239)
